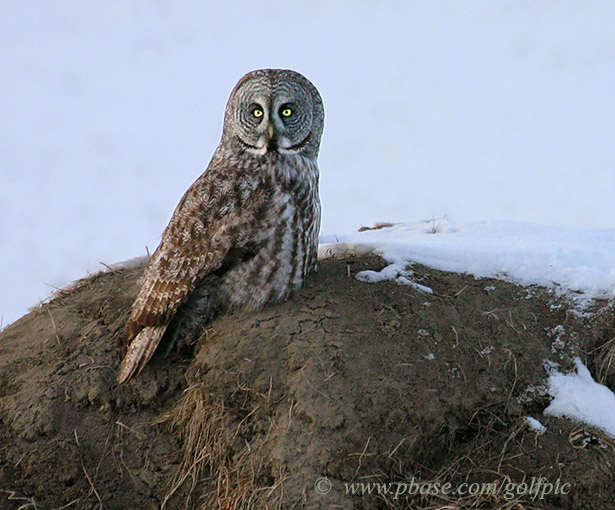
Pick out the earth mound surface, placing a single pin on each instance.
(348, 396)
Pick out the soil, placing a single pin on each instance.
(298, 404)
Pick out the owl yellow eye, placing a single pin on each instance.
(287, 112)
(257, 112)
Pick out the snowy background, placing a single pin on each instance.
(475, 110)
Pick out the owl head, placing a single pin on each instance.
(274, 110)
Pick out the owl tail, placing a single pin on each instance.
(140, 351)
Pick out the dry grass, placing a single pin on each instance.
(479, 501)
(602, 352)
(484, 457)
(25, 501)
(216, 456)
(606, 360)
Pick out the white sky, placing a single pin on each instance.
(474, 110)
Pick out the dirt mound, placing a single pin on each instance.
(350, 395)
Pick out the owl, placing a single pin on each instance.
(246, 232)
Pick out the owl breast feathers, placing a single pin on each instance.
(246, 232)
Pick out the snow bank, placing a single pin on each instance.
(568, 259)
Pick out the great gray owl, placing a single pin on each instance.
(246, 232)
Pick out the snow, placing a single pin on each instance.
(394, 272)
(577, 396)
(110, 110)
(535, 425)
(129, 264)
(563, 258)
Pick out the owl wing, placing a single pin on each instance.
(203, 229)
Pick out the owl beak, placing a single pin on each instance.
(272, 143)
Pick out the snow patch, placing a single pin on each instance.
(393, 272)
(127, 264)
(558, 343)
(564, 259)
(579, 397)
(535, 425)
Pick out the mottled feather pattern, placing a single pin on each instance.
(140, 351)
(287, 235)
(246, 232)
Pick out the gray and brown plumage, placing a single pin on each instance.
(245, 233)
